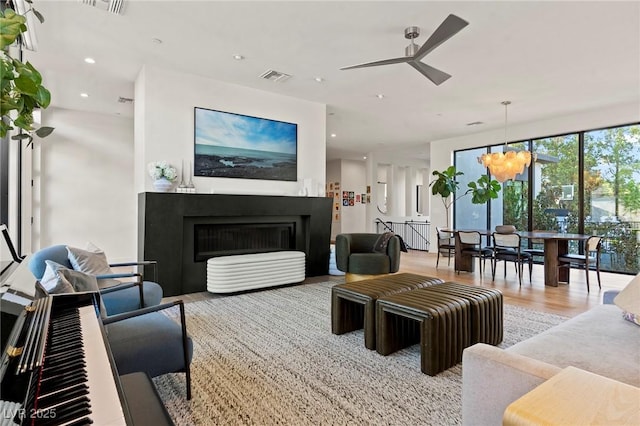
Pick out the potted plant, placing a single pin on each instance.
(21, 83)
(446, 185)
(163, 175)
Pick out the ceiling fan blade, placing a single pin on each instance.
(449, 27)
(436, 76)
(383, 62)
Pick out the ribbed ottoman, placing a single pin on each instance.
(445, 319)
(353, 303)
(228, 274)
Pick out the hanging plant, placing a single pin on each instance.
(20, 83)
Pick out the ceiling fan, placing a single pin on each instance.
(447, 29)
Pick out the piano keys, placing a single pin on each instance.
(57, 366)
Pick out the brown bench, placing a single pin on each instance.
(445, 319)
(353, 303)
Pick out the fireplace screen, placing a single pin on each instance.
(225, 239)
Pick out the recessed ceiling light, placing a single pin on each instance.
(156, 40)
(238, 57)
(90, 60)
(380, 96)
(364, 158)
(319, 79)
(333, 135)
(84, 95)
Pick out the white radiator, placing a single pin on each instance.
(227, 274)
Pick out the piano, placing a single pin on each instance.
(56, 366)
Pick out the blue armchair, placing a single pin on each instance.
(141, 338)
(116, 300)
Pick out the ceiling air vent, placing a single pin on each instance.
(112, 6)
(124, 100)
(275, 76)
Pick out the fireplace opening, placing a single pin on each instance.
(224, 239)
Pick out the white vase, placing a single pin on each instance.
(162, 185)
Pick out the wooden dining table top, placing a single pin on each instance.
(543, 235)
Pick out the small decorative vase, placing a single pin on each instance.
(162, 185)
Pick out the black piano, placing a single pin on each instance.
(56, 366)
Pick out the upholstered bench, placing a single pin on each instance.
(445, 319)
(228, 274)
(353, 303)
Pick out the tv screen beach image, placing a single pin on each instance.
(239, 146)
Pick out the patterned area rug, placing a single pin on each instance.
(269, 357)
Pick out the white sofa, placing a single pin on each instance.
(599, 340)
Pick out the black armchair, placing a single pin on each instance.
(367, 254)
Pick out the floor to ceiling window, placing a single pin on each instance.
(467, 214)
(555, 189)
(612, 194)
(584, 182)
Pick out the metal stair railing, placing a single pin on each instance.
(415, 234)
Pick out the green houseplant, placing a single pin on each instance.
(20, 83)
(446, 185)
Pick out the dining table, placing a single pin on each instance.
(555, 244)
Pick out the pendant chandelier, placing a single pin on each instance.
(508, 164)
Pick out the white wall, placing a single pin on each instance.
(83, 180)
(442, 150)
(164, 128)
(354, 179)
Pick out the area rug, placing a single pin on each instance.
(269, 357)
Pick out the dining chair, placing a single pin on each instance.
(472, 246)
(506, 247)
(591, 256)
(446, 245)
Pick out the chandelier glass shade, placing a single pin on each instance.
(508, 164)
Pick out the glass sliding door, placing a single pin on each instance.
(555, 184)
(612, 194)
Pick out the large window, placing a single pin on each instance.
(468, 215)
(612, 194)
(584, 182)
(555, 192)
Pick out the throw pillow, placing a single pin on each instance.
(629, 300)
(51, 282)
(89, 262)
(381, 243)
(92, 261)
(82, 282)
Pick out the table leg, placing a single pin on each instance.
(563, 273)
(463, 262)
(552, 273)
(551, 262)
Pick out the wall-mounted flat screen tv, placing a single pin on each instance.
(239, 146)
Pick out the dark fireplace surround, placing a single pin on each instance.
(182, 231)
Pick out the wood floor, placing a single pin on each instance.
(567, 300)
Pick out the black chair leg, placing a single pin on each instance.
(586, 269)
(438, 259)
(185, 350)
(598, 274)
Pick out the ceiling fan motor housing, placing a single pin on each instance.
(411, 33)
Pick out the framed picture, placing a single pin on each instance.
(240, 146)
